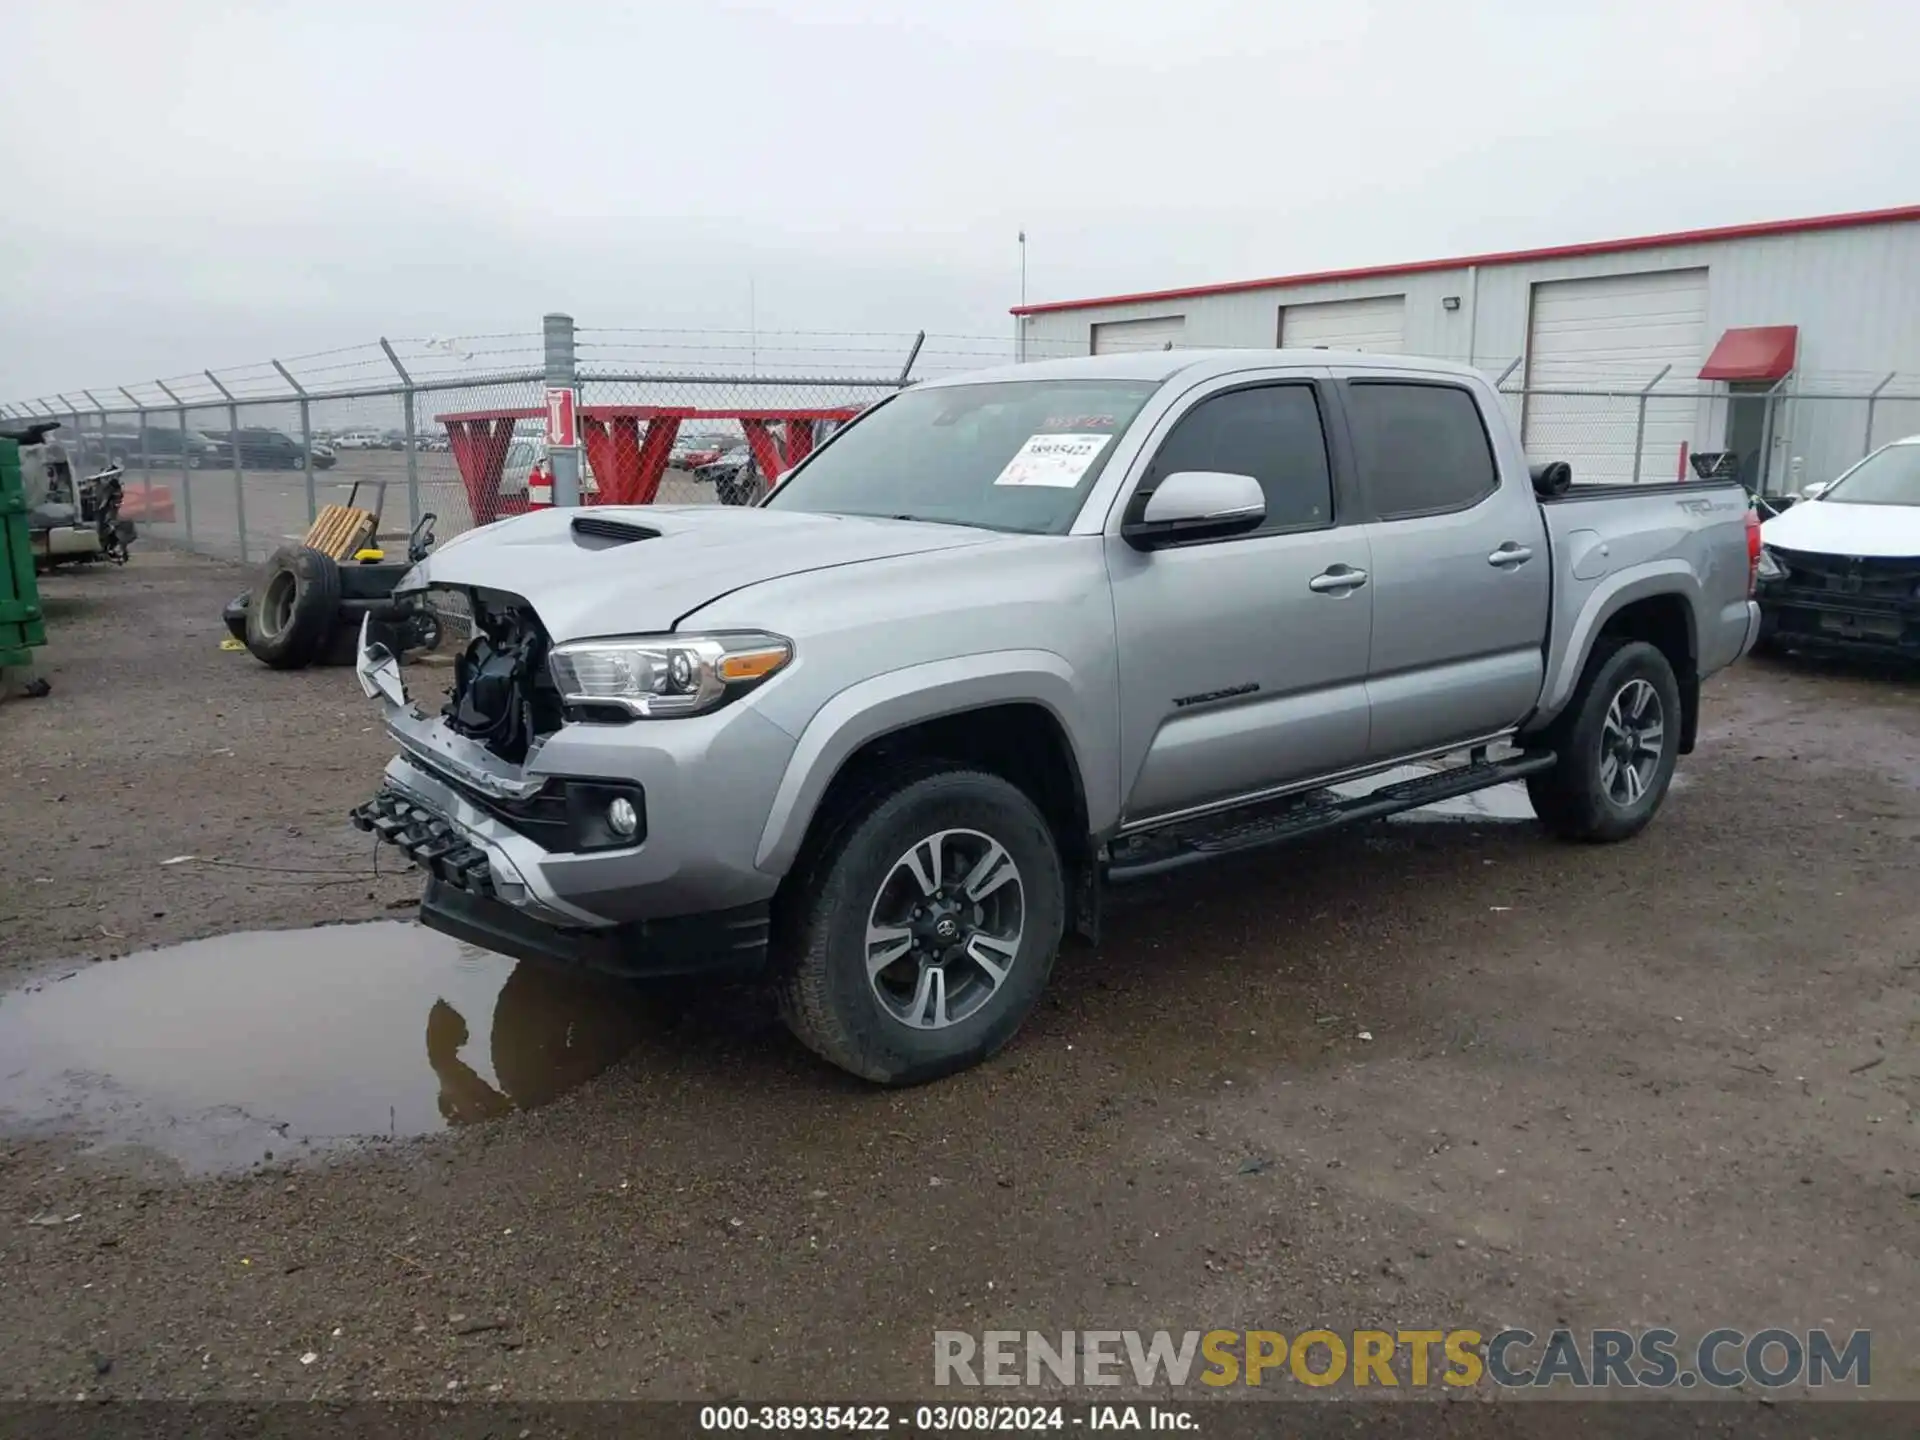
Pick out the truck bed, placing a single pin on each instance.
(1614, 543)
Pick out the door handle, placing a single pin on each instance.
(1337, 580)
(1510, 556)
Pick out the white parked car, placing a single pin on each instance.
(359, 440)
(1840, 569)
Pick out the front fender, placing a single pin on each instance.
(899, 698)
(1609, 596)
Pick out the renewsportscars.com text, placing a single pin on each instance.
(1513, 1358)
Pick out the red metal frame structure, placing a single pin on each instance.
(627, 447)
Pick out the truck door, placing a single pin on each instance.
(1461, 575)
(1243, 661)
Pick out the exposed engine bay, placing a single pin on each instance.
(502, 695)
(69, 518)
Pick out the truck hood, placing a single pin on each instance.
(595, 581)
(1832, 527)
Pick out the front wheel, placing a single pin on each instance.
(923, 928)
(1616, 758)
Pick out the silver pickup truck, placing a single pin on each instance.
(1011, 638)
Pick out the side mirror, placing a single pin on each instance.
(1815, 490)
(1194, 505)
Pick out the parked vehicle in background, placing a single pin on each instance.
(358, 440)
(121, 446)
(1840, 570)
(692, 451)
(323, 456)
(736, 480)
(1012, 637)
(259, 448)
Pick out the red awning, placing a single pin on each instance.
(1754, 352)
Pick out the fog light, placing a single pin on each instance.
(622, 818)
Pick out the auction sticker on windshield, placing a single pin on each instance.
(1055, 461)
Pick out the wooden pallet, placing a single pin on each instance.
(339, 530)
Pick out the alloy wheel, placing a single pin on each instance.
(1631, 743)
(945, 928)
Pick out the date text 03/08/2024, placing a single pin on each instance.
(934, 1419)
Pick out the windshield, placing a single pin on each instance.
(1013, 455)
(1889, 476)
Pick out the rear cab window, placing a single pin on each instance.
(1421, 447)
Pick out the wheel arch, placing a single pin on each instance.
(1656, 603)
(1015, 714)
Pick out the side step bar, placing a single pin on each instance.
(1155, 852)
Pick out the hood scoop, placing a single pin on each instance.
(599, 532)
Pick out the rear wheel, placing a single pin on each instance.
(1616, 757)
(922, 930)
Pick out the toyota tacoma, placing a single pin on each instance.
(1011, 638)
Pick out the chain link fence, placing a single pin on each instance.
(1622, 423)
(236, 462)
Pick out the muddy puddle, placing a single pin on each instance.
(229, 1052)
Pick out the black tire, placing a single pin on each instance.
(1574, 799)
(290, 616)
(821, 926)
(235, 615)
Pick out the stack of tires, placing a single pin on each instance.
(306, 609)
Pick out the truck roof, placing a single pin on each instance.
(1164, 364)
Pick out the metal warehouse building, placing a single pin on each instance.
(1794, 344)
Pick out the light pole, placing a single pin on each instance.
(1020, 333)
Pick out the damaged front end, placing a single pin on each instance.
(527, 860)
(1844, 603)
(502, 696)
(456, 801)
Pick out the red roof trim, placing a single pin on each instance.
(1504, 257)
(1753, 352)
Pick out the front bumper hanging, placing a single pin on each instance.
(462, 901)
(428, 840)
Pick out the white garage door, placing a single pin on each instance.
(1374, 325)
(1120, 337)
(1614, 333)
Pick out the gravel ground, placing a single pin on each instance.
(1666, 1082)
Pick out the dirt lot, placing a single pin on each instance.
(1666, 1082)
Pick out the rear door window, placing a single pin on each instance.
(1421, 449)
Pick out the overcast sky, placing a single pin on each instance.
(204, 184)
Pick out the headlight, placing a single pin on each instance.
(1770, 566)
(662, 675)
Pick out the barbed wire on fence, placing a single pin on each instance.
(238, 459)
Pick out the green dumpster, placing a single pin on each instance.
(21, 626)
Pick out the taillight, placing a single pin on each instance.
(1753, 551)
